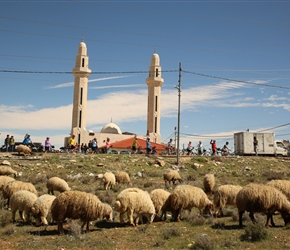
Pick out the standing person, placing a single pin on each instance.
(12, 143)
(213, 146)
(108, 145)
(169, 147)
(148, 146)
(94, 146)
(47, 144)
(72, 143)
(134, 145)
(189, 148)
(255, 142)
(199, 148)
(6, 143)
(27, 140)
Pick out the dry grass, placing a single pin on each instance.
(193, 232)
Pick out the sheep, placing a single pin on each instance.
(4, 180)
(159, 197)
(208, 183)
(58, 184)
(108, 179)
(7, 170)
(261, 198)
(24, 149)
(171, 175)
(13, 186)
(41, 208)
(135, 200)
(186, 197)
(281, 185)
(22, 200)
(79, 205)
(225, 195)
(123, 177)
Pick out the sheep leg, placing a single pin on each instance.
(130, 216)
(43, 220)
(270, 216)
(60, 227)
(240, 218)
(13, 215)
(88, 226)
(21, 214)
(252, 217)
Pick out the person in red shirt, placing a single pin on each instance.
(213, 147)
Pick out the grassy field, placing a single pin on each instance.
(193, 232)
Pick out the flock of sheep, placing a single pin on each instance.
(21, 196)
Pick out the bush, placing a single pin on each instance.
(170, 232)
(203, 241)
(255, 232)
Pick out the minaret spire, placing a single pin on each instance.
(154, 83)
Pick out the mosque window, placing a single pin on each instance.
(80, 120)
(156, 73)
(155, 125)
(83, 62)
(81, 96)
(156, 99)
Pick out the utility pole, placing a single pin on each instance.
(178, 123)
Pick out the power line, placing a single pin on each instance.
(283, 125)
(234, 80)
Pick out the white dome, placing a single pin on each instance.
(111, 128)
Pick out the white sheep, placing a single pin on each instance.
(185, 197)
(41, 208)
(171, 175)
(282, 185)
(123, 177)
(259, 198)
(159, 196)
(4, 180)
(22, 200)
(134, 200)
(57, 184)
(208, 183)
(109, 180)
(11, 187)
(79, 205)
(225, 195)
(7, 170)
(23, 149)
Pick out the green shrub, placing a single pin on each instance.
(255, 232)
(203, 241)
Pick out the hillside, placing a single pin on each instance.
(193, 232)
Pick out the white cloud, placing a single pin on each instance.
(71, 84)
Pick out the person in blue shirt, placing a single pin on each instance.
(27, 140)
(148, 146)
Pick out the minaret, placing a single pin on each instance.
(81, 74)
(154, 83)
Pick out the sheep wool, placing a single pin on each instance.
(171, 175)
(22, 200)
(282, 185)
(7, 170)
(4, 180)
(57, 184)
(123, 178)
(13, 186)
(78, 205)
(225, 195)
(208, 183)
(23, 149)
(186, 197)
(41, 208)
(109, 180)
(134, 200)
(259, 198)
(159, 197)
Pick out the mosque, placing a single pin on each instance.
(111, 130)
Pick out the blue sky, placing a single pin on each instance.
(235, 58)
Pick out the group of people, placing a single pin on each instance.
(9, 143)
